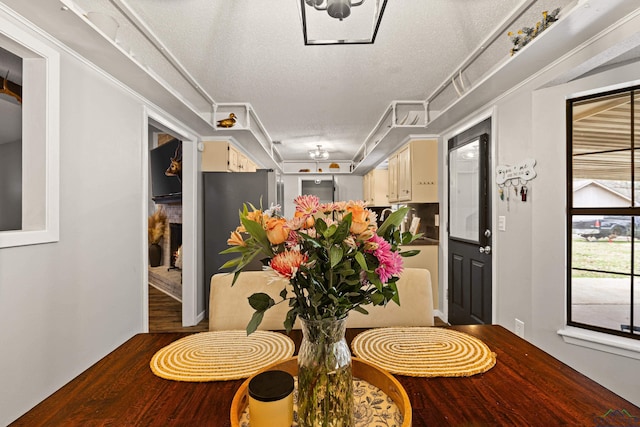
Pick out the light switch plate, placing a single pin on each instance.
(502, 223)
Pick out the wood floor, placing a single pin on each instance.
(165, 315)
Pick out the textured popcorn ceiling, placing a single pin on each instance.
(252, 51)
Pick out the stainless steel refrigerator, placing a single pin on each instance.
(224, 194)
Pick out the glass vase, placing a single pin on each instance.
(325, 381)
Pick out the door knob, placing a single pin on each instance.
(485, 249)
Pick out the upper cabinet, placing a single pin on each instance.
(221, 156)
(376, 185)
(413, 173)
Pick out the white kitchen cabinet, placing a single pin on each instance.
(405, 172)
(221, 156)
(375, 187)
(393, 179)
(413, 173)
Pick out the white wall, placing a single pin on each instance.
(530, 255)
(65, 305)
(548, 272)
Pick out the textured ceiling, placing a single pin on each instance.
(249, 51)
(253, 51)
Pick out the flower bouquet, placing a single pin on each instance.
(335, 260)
(333, 255)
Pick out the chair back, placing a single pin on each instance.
(229, 308)
(415, 309)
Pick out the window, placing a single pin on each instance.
(10, 141)
(31, 178)
(603, 221)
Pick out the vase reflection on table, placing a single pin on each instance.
(335, 259)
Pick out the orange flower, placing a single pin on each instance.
(359, 219)
(307, 219)
(236, 239)
(286, 263)
(255, 216)
(277, 230)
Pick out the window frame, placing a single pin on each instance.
(40, 136)
(631, 211)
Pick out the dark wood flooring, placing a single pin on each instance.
(165, 314)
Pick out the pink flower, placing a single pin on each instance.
(286, 263)
(307, 204)
(390, 262)
(328, 208)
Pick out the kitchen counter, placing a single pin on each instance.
(425, 241)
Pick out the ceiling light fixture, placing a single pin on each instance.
(330, 27)
(319, 153)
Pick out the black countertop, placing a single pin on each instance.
(424, 241)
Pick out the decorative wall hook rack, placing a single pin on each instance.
(516, 176)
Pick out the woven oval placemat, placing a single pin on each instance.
(424, 351)
(220, 355)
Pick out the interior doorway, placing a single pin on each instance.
(171, 159)
(324, 189)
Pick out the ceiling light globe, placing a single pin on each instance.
(339, 9)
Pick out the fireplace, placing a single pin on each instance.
(168, 277)
(175, 242)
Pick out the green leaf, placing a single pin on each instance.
(283, 294)
(235, 277)
(231, 263)
(234, 249)
(320, 225)
(343, 229)
(290, 320)
(360, 309)
(407, 237)
(377, 299)
(396, 295)
(330, 231)
(361, 261)
(409, 253)
(259, 234)
(393, 220)
(335, 254)
(255, 321)
(261, 301)
(310, 240)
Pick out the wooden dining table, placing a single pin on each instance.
(526, 387)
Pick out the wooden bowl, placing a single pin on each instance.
(360, 369)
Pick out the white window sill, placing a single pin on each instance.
(598, 341)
